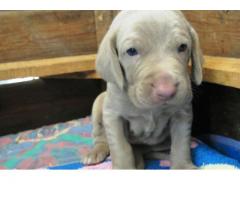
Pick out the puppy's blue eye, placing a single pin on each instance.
(132, 52)
(182, 48)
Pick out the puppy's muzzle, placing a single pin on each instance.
(164, 87)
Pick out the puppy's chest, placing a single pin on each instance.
(146, 129)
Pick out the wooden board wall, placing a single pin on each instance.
(219, 31)
(38, 35)
(30, 35)
(103, 20)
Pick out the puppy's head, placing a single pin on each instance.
(146, 54)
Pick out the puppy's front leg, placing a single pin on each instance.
(181, 138)
(120, 150)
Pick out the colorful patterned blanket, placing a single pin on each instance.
(61, 146)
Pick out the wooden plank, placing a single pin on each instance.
(103, 20)
(219, 31)
(47, 67)
(220, 70)
(29, 35)
(77, 75)
(223, 71)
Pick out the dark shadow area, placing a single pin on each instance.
(216, 110)
(33, 104)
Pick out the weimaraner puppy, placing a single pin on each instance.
(146, 111)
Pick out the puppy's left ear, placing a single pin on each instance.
(196, 58)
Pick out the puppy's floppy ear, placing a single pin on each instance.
(107, 62)
(196, 58)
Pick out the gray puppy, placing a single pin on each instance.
(146, 111)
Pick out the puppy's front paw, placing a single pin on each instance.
(96, 155)
(184, 166)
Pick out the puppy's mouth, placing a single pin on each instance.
(144, 98)
(161, 99)
(149, 103)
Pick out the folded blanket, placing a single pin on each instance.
(61, 146)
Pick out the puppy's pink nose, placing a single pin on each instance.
(164, 88)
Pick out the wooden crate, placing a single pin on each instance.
(44, 43)
(63, 44)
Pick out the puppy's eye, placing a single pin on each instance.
(182, 48)
(132, 52)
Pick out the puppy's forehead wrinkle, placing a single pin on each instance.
(150, 34)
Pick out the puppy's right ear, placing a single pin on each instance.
(107, 62)
(196, 58)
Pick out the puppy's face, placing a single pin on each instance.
(153, 50)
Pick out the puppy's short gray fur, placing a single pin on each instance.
(126, 123)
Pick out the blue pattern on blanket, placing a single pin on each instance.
(62, 145)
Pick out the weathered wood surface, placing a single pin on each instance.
(223, 71)
(220, 70)
(103, 20)
(219, 31)
(47, 67)
(29, 35)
